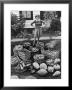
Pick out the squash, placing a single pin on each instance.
(50, 62)
(57, 73)
(42, 72)
(56, 66)
(50, 69)
(57, 60)
(36, 65)
(43, 66)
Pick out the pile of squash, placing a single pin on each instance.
(41, 59)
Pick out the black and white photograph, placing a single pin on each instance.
(36, 44)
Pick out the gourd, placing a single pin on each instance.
(57, 73)
(50, 69)
(36, 65)
(56, 66)
(42, 72)
(43, 66)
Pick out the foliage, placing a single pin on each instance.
(17, 24)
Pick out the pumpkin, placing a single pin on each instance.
(36, 65)
(50, 62)
(38, 56)
(43, 66)
(42, 72)
(57, 73)
(50, 69)
(56, 66)
(57, 60)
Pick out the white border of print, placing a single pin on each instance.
(64, 8)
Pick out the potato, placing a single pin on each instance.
(56, 66)
(42, 72)
(43, 66)
(57, 73)
(36, 65)
(50, 69)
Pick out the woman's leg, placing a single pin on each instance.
(38, 35)
(35, 34)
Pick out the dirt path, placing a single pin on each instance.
(41, 38)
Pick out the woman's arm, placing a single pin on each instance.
(32, 23)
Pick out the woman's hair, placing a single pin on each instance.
(37, 16)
